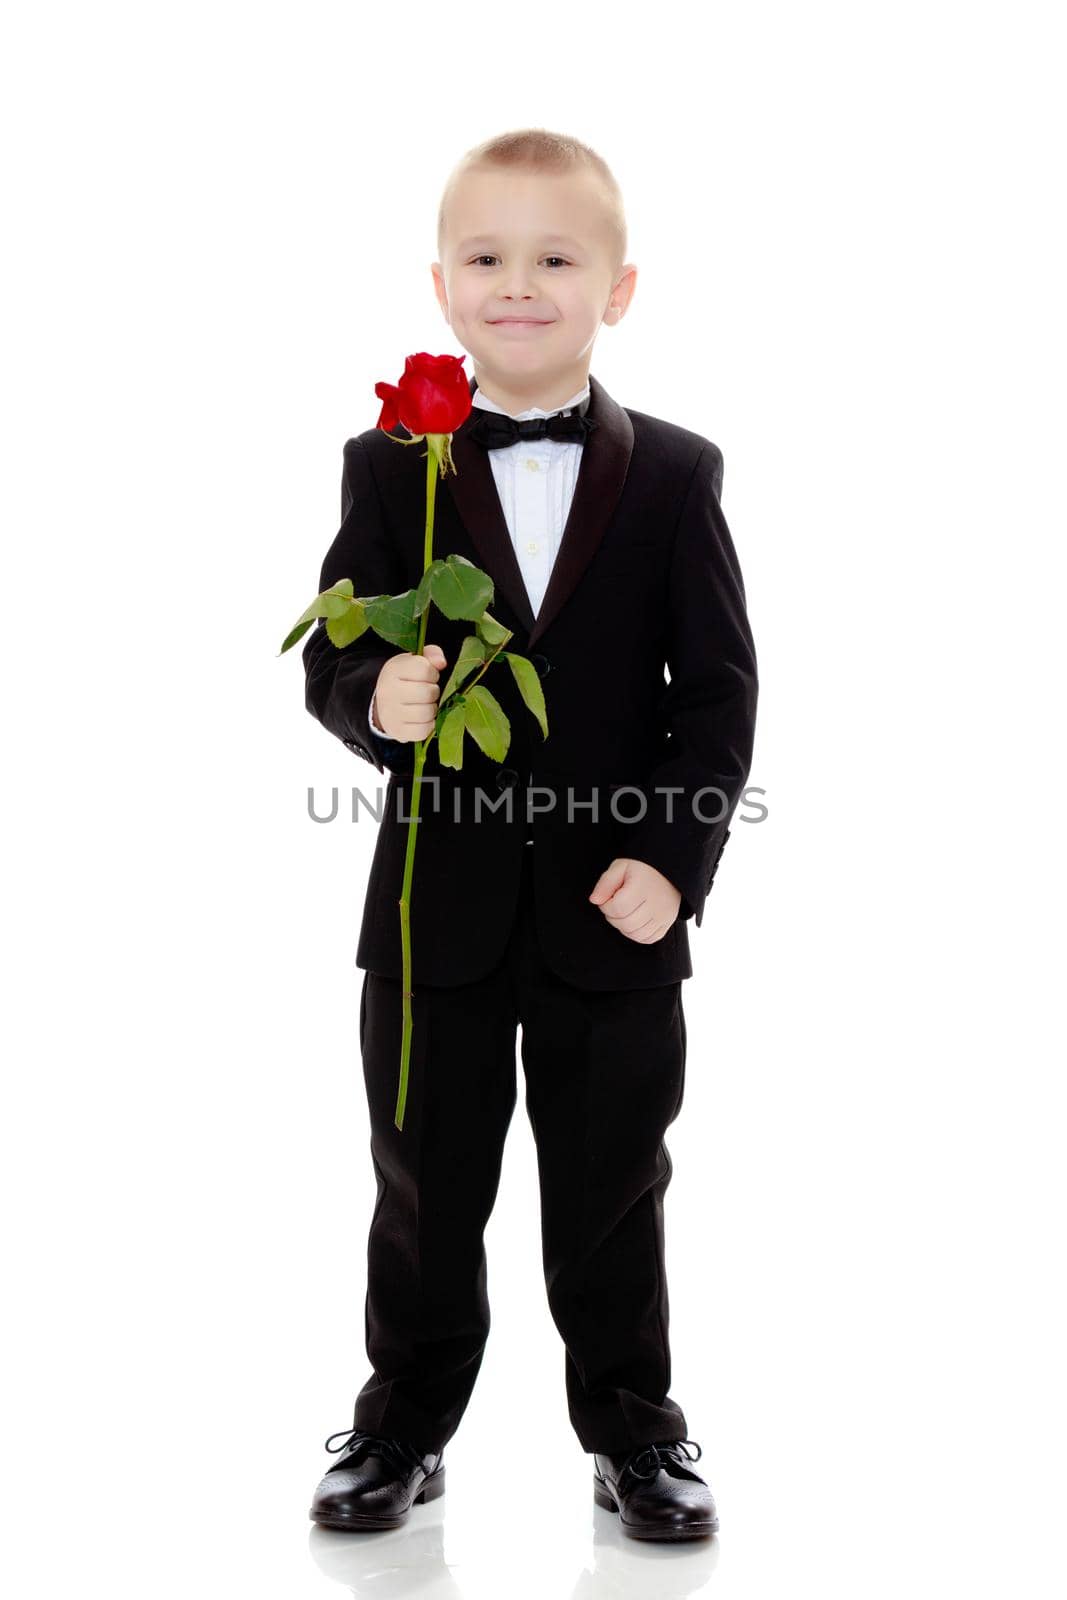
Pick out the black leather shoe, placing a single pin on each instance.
(375, 1483)
(655, 1492)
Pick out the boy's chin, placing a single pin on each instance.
(520, 360)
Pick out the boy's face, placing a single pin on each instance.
(533, 247)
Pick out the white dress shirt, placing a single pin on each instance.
(535, 481)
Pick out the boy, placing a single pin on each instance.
(565, 909)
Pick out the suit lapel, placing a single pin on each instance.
(601, 474)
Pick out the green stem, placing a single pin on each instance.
(432, 470)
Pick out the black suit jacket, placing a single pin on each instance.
(646, 576)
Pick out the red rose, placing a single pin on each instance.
(433, 395)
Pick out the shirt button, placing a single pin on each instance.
(532, 546)
(533, 464)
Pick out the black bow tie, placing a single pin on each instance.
(495, 430)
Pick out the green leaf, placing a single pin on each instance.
(460, 589)
(295, 633)
(486, 722)
(423, 593)
(347, 624)
(335, 600)
(449, 729)
(525, 674)
(471, 655)
(393, 617)
(492, 631)
(327, 604)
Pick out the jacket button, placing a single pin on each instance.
(542, 664)
(507, 778)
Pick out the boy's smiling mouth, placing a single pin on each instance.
(520, 322)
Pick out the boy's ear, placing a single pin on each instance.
(625, 285)
(439, 287)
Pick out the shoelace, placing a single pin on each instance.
(403, 1455)
(656, 1456)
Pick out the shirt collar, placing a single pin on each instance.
(479, 399)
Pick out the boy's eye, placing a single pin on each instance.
(479, 259)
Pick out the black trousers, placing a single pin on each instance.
(604, 1074)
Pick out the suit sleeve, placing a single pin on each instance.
(339, 684)
(708, 709)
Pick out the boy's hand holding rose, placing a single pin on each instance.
(404, 704)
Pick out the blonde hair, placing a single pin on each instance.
(539, 150)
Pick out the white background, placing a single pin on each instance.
(847, 221)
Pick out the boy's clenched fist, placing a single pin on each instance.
(636, 897)
(404, 703)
